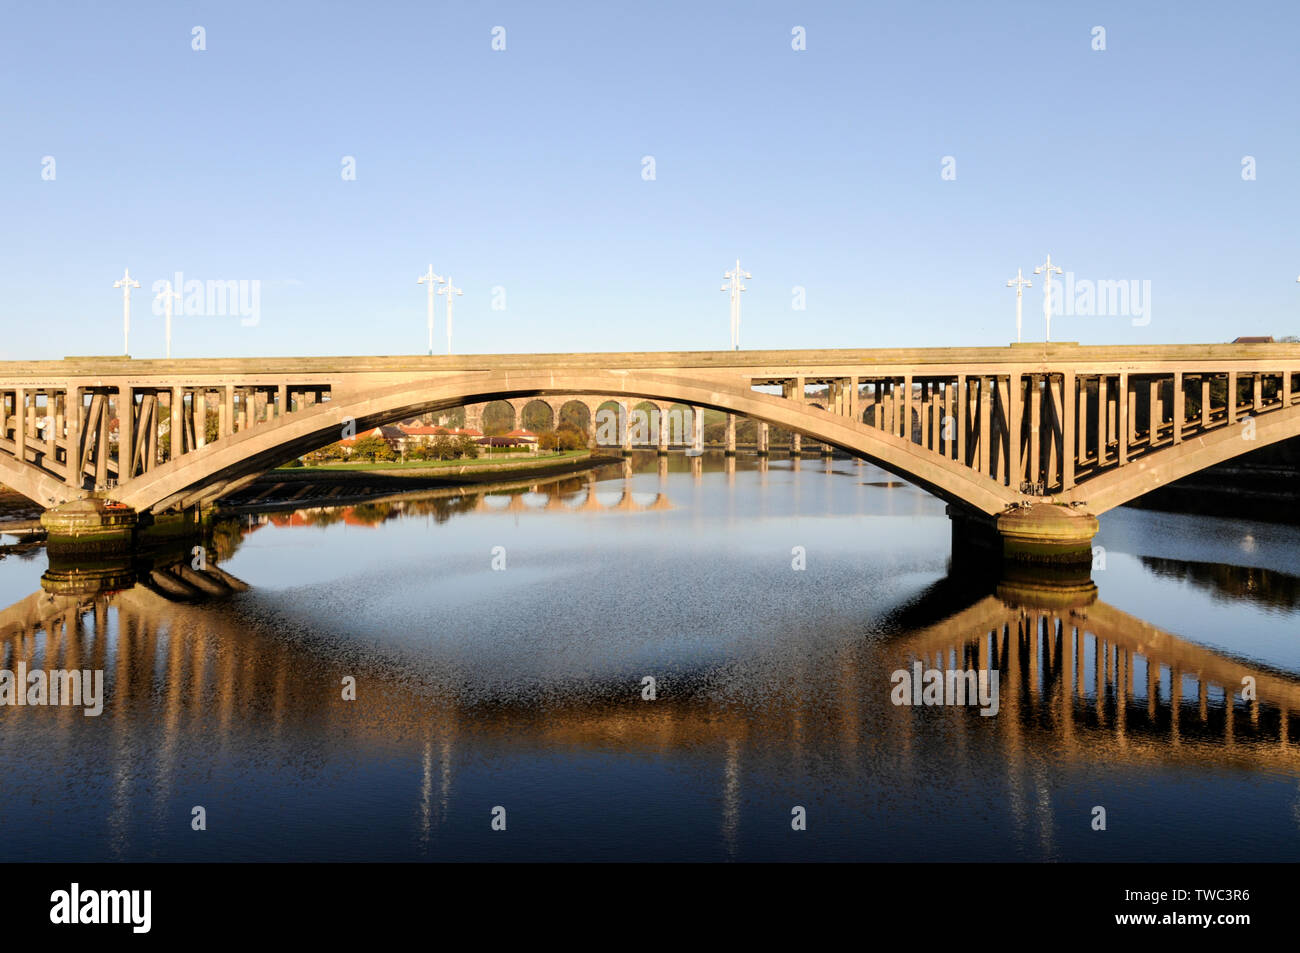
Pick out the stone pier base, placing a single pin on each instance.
(1043, 534)
(89, 526)
(96, 526)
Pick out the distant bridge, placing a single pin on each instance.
(985, 429)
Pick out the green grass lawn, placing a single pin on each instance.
(482, 460)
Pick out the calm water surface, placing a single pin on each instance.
(522, 687)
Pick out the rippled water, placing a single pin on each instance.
(521, 687)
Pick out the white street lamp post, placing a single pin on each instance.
(735, 287)
(126, 283)
(1048, 269)
(431, 280)
(1020, 283)
(166, 296)
(449, 290)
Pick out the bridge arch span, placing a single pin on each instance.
(1119, 485)
(219, 468)
(33, 483)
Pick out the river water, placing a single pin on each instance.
(500, 644)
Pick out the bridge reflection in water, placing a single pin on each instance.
(1108, 685)
(195, 672)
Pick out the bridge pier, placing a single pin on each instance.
(89, 526)
(97, 526)
(1041, 534)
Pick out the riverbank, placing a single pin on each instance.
(443, 469)
(340, 484)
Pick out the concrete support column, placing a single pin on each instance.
(227, 411)
(1232, 397)
(101, 444)
(1131, 398)
(177, 425)
(1180, 407)
(762, 439)
(1082, 422)
(1153, 411)
(1069, 424)
(697, 419)
(1015, 424)
(962, 418)
(200, 406)
(72, 444)
(125, 432)
(1036, 429)
(907, 408)
(855, 406)
(1205, 401)
(51, 430)
(1122, 400)
(1056, 445)
(731, 435)
(663, 431)
(150, 431)
(936, 417)
(797, 389)
(31, 416)
(922, 410)
(1103, 419)
(624, 424)
(985, 424)
(951, 419)
(1257, 392)
(282, 403)
(20, 424)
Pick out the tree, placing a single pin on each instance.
(442, 448)
(466, 447)
(569, 436)
(371, 447)
(327, 454)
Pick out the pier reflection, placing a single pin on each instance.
(195, 666)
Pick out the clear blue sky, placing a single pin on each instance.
(522, 169)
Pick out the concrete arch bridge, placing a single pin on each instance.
(1001, 434)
